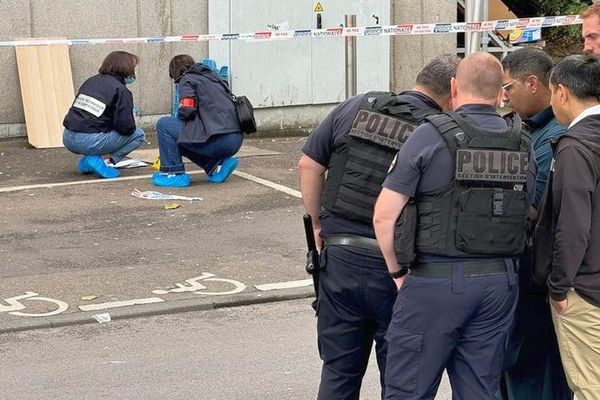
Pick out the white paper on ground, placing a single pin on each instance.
(127, 163)
(104, 317)
(150, 195)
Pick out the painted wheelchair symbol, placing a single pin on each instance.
(15, 305)
(193, 285)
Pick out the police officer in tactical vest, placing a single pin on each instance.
(465, 171)
(355, 144)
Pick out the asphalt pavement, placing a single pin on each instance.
(74, 248)
(258, 352)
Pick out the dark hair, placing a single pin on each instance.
(580, 74)
(179, 64)
(438, 72)
(119, 63)
(529, 61)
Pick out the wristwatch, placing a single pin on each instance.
(400, 273)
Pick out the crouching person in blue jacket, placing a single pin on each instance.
(206, 129)
(101, 121)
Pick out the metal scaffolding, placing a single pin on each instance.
(478, 10)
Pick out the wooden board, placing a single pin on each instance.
(499, 10)
(47, 92)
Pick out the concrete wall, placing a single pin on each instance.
(410, 53)
(152, 91)
(100, 19)
(15, 22)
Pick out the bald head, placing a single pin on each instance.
(479, 76)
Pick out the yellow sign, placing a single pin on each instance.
(515, 35)
(319, 7)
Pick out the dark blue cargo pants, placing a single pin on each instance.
(356, 296)
(460, 324)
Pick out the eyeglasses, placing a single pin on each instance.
(505, 87)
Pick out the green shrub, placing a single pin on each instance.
(560, 41)
(537, 8)
(563, 40)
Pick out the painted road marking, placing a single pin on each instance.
(115, 304)
(62, 306)
(241, 174)
(77, 183)
(15, 305)
(284, 285)
(193, 285)
(270, 184)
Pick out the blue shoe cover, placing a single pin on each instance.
(96, 164)
(227, 168)
(83, 167)
(172, 180)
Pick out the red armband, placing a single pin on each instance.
(188, 102)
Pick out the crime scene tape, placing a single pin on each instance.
(388, 30)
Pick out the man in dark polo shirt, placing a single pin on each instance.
(466, 173)
(355, 144)
(534, 370)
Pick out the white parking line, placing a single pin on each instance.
(243, 175)
(76, 183)
(285, 285)
(270, 184)
(192, 285)
(115, 304)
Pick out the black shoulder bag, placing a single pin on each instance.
(245, 111)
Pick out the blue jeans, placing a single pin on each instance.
(206, 155)
(88, 144)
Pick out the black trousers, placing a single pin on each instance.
(356, 296)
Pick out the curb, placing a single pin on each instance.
(164, 308)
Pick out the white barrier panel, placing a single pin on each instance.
(389, 30)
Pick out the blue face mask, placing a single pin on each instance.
(129, 79)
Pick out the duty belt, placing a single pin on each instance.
(352, 240)
(470, 268)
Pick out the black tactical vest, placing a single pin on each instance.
(484, 212)
(362, 158)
